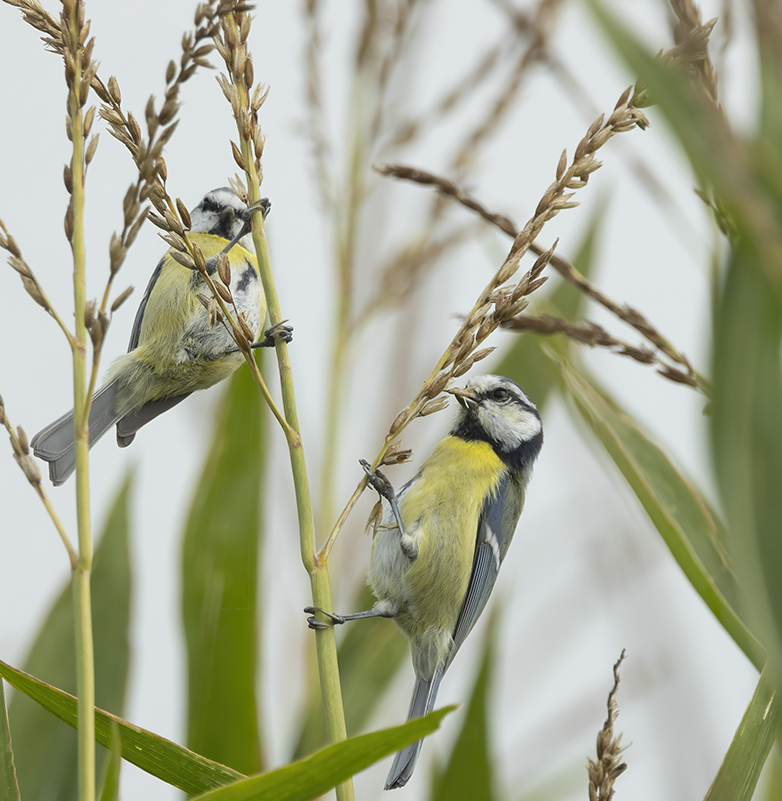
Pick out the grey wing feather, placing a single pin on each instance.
(132, 422)
(496, 527)
(136, 330)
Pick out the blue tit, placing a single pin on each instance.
(175, 348)
(438, 547)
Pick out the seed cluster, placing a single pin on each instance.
(230, 41)
(607, 768)
(626, 116)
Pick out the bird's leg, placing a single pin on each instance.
(337, 620)
(383, 487)
(282, 332)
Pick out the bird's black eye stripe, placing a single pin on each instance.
(500, 394)
(209, 204)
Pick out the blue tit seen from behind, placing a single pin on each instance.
(175, 347)
(437, 549)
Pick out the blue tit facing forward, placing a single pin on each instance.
(438, 548)
(175, 348)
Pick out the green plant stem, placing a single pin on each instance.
(85, 665)
(321, 588)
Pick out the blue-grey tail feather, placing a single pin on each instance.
(424, 697)
(55, 443)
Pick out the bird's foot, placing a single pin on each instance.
(316, 624)
(282, 332)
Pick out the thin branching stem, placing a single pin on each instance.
(76, 69)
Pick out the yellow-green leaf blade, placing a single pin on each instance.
(691, 530)
(9, 787)
(39, 739)
(740, 770)
(156, 755)
(219, 585)
(316, 774)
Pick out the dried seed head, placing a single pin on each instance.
(224, 292)
(89, 118)
(214, 315)
(68, 222)
(399, 421)
(224, 268)
(436, 385)
(174, 223)
(114, 91)
(198, 258)
(170, 71)
(184, 214)
(184, 259)
(29, 467)
(507, 271)
(488, 326)
(433, 406)
(562, 166)
(89, 313)
(121, 298)
(245, 328)
(22, 437)
(238, 157)
(470, 361)
(92, 146)
(396, 455)
(67, 178)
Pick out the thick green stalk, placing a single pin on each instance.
(321, 588)
(85, 666)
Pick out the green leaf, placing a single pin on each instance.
(740, 770)
(9, 787)
(468, 773)
(39, 739)
(318, 773)
(524, 362)
(162, 758)
(747, 437)
(110, 783)
(219, 585)
(692, 531)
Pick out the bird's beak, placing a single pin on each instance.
(466, 397)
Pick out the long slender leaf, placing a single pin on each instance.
(39, 739)
(219, 585)
(9, 787)
(324, 770)
(747, 436)
(740, 770)
(692, 531)
(162, 758)
(468, 772)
